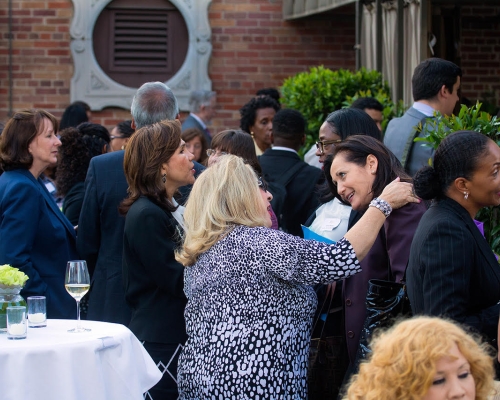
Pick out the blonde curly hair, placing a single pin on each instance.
(223, 196)
(403, 362)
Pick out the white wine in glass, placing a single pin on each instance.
(77, 283)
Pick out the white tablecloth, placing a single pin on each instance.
(53, 364)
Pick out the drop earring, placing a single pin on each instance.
(251, 134)
(164, 178)
(466, 195)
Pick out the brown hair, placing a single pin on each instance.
(17, 135)
(190, 134)
(146, 151)
(237, 143)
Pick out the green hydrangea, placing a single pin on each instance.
(10, 276)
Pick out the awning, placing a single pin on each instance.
(302, 8)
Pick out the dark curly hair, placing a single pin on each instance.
(248, 112)
(457, 156)
(78, 146)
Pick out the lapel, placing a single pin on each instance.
(51, 204)
(481, 242)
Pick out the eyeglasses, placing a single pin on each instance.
(212, 152)
(116, 137)
(262, 184)
(321, 145)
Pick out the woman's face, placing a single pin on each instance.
(117, 140)
(179, 169)
(266, 198)
(44, 148)
(453, 378)
(194, 146)
(262, 127)
(326, 135)
(354, 183)
(484, 186)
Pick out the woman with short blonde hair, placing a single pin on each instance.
(250, 306)
(405, 362)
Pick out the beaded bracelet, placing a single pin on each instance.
(382, 205)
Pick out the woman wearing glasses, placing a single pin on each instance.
(120, 135)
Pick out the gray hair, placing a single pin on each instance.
(200, 98)
(153, 102)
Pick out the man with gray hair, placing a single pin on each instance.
(100, 228)
(202, 104)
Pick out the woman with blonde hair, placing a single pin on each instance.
(250, 306)
(425, 358)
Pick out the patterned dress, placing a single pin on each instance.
(249, 314)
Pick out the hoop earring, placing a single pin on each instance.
(466, 195)
(164, 178)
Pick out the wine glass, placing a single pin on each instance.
(77, 283)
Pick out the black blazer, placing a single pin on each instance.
(301, 201)
(100, 237)
(154, 280)
(452, 270)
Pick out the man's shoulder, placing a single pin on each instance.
(410, 115)
(114, 157)
(191, 122)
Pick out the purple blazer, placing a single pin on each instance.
(399, 230)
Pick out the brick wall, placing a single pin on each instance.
(252, 48)
(480, 52)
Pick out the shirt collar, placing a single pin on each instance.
(424, 108)
(199, 120)
(284, 149)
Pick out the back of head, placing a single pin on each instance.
(18, 133)
(200, 98)
(403, 362)
(146, 151)
(352, 121)
(223, 196)
(78, 146)
(356, 149)
(430, 76)
(289, 125)
(125, 128)
(370, 103)
(248, 112)
(457, 156)
(73, 116)
(153, 102)
(237, 143)
(271, 92)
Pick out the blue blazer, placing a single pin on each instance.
(37, 238)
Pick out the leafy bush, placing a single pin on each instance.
(471, 119)
(390, 110)
(320, 91)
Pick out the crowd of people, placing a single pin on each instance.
(198, 241)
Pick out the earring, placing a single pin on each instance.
(164, 178)
(123, 147)
(251, 134)
(373, 172)
(466, 195)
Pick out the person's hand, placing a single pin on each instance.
(398, 194)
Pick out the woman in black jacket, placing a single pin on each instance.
(156, 164)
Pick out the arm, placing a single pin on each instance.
(149, 235)
(21, 207)
(88, 240)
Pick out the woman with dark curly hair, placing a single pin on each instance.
(78, 146)
(257, 120)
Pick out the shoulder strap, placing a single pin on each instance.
(287, 177)
(410, 142)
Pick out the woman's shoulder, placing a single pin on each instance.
(19, 181)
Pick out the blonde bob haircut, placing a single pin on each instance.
(403, 362)
(223, 196)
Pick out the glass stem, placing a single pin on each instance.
(78, 326)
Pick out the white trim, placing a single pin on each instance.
(92, 85)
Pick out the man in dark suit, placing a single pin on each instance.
(100, 228)
(288, 136)
(202, 103)
(435, 86)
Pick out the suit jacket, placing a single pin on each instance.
(37, 238)
(154, 280)
(399, 137)
(301, 201)
(452, 269)
(391, 248)
(100, 237)
(191, 122)
(72, 203)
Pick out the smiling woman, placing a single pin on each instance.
(35, 236)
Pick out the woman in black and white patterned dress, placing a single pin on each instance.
(250, 308)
